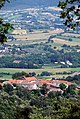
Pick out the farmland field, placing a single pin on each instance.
(38, 71)
(62, 41)
(38, 35)
(41, 39)
(71, 34)
(43, 36)
(69, 37)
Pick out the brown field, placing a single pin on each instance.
(62, 41)
(20, 32)
(71, 34)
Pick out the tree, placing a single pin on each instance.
(5, 28)
(19, 75)
(70, 12)
(52, 94)
(44, 89)
(45, 73)
(8, 88)
(62, 86)
(71, 89)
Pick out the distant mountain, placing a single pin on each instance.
(30, 3)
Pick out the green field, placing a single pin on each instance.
(38, 71)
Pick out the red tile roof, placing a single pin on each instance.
(15, 81)
(29, 79)
(43, 81)
(23, 81)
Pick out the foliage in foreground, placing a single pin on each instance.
(70, 12)
(5, 28)
(17, 102)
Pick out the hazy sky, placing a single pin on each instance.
(30, 3)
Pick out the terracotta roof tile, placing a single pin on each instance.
(15, 81)
(43, 81)
(30, 79)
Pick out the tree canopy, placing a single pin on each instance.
(70, 12)
(4, 27)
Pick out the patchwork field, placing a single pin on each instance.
(38, 71)
(38, 35)
(69, 38)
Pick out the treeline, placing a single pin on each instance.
(19, 75)
(37, 60)
(74, 78)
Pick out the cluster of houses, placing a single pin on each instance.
(34, 83)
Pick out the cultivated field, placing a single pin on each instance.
(69, 37)
(62, 41)
(71, 34)
(38, 35)
(38, 71)
(43, 35)
(19, 32)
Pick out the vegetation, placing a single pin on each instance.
(45, 73)
(60, 73)
(62, 86)
(70, 11)
(75, 78)
(21, 103)
(18, 75)
(34, 56)
(5, 28)
(17, 102)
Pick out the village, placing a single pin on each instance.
(33, 83)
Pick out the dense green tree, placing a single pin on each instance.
(71, 89)
(19, 75)
(44, 89)
(37, 114)
(32, 74)
(62, 86)
(52, 94)
(24, 112)
(70, 12)
(5, 28)
(45, 73)
(8, 88)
